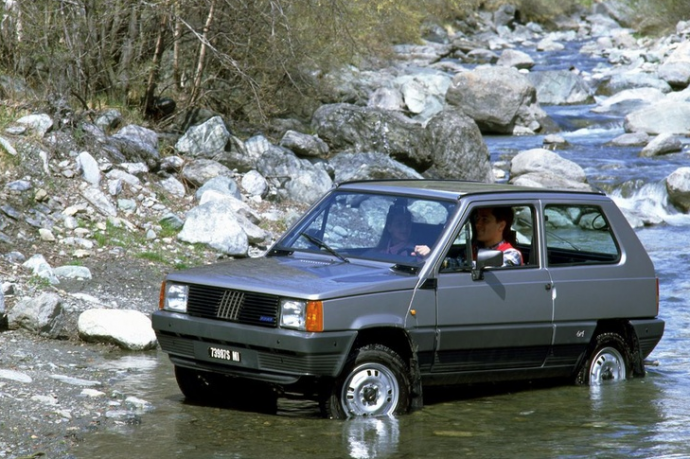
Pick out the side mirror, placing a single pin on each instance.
(486, 259)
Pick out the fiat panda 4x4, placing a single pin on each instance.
(331, 313)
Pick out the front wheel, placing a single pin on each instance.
(196, 386)
(213, 389)
(608, 361)
(375, 382)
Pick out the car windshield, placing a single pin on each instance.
(373, 226)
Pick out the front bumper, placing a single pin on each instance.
(267, 354)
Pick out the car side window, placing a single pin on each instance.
(578, 234)
(519, 236)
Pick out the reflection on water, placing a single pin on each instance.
(369, 438)
(640, 418)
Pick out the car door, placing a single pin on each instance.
(502, 321)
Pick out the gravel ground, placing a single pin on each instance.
(54, 392)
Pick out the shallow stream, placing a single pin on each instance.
(641, 418)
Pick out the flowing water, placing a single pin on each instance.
(640, 418)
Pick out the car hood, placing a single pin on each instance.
(308, 278)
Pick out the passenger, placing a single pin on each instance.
(493, 231)
(397, 234)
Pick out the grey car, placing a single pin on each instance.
(333, 313)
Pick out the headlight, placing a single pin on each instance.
(301, 315)
(176, 296)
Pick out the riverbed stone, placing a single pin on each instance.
(662, 144)
(42, 315)
(667, 116)
(678, 188)
(128, 329)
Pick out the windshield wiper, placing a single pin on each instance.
(322, 245)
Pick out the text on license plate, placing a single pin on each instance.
(224, 354)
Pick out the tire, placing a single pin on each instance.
(375, 382)
(608, 362)
(196, 386)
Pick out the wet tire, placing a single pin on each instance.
(375, 382)
(609, 361)
(196, 386)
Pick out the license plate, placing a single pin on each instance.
(224, 354)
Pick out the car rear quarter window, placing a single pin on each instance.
(578, 234)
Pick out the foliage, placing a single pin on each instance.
(250, 59)
(544, 10)
(660, 16)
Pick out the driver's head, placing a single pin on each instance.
(493, 224)
(399, 224)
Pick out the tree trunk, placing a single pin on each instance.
(149, 97)
(196, 88)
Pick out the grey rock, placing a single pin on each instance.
(631, 139)
(72, 272)
(367, 166)
(457, 148)
(109, 119)
(173, 187)
(254, 184)
(301, 180)
(171, 163)
(630, 80)
(304, 145)
(171, 220)
(666, 116)
(89, 168)
(132, 180)
(629, 100)
(42, 315)
(662, 144)
(72, 381)
(128, 329)
(16, 376)
(137, 144)
(347, 127)
(386, 99)
(214, 223)
(204, 140)
(7, 146)
(19, 186)
(221, 184)
(515, 58)
(476, 93)
(40, 267)
(39, 124)
(100, 201)
(543, 168)
(560, 87)
(678, 188)
(676, 74)
(200, 171)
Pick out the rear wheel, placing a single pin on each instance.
(609, 361)
(375, 382)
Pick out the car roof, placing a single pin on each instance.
(449, 189)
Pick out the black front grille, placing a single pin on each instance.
(233, 305)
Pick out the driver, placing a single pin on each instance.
(397, 234)
(493, 230)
